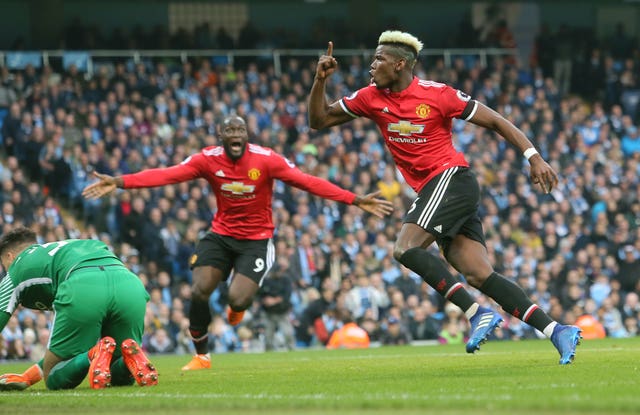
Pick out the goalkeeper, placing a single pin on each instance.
(98, 304)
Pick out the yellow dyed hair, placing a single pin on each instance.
(404, 38)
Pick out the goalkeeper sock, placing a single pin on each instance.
(69, 373)
(120, 375)
(34, 374)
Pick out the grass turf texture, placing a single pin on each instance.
(503, 378)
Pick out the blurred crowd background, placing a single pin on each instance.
(576, 251)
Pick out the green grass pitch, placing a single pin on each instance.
(503, 378)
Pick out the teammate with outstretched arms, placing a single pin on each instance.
(415, 118)
(241, 176)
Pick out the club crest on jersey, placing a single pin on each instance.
(238, 188)
(193, 259)
(254, 174)
(405, 128)
(423, 110)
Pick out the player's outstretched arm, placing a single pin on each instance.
(105, 185)
(373, 204)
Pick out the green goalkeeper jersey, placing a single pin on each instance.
(33, 277)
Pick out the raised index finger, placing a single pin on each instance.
(330, 48)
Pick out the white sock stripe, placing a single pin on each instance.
(200, 338)
(436, 197)
(527, 313)
(453, 288)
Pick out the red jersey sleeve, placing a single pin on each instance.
(285, 170)
(189, 169)
(357, 104)
(452, 102)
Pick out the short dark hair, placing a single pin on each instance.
(403, 51)
(16, 237)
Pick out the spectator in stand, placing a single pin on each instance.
(395, 333)
(364, 297)
(349, 335)
(424, 325)
(631, 142)
(160, 342)
(452, 331)
(14, 339)
(629, 269)
(311, 328)
(275, 299)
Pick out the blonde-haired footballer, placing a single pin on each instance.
(415, 117)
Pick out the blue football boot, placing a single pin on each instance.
(566, 339)
(482, 324)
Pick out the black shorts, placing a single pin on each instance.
(448, 206)
(247, 257)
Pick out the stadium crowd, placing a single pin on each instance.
(576, 251)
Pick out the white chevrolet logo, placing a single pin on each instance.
(405, 128)
(237, 188)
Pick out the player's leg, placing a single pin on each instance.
(410, 250)
(211, 263)
(434, 272)
(205, 281)
(253, 261)
(241, 292)
(79, 308)
(431, 216)
(470, 257)
(442, 208)
(125, 324)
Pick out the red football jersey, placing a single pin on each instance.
(243, 189)
(416, 125)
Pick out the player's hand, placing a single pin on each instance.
(542, 173)
(327, 64)
(105, 185)
(373, 204)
